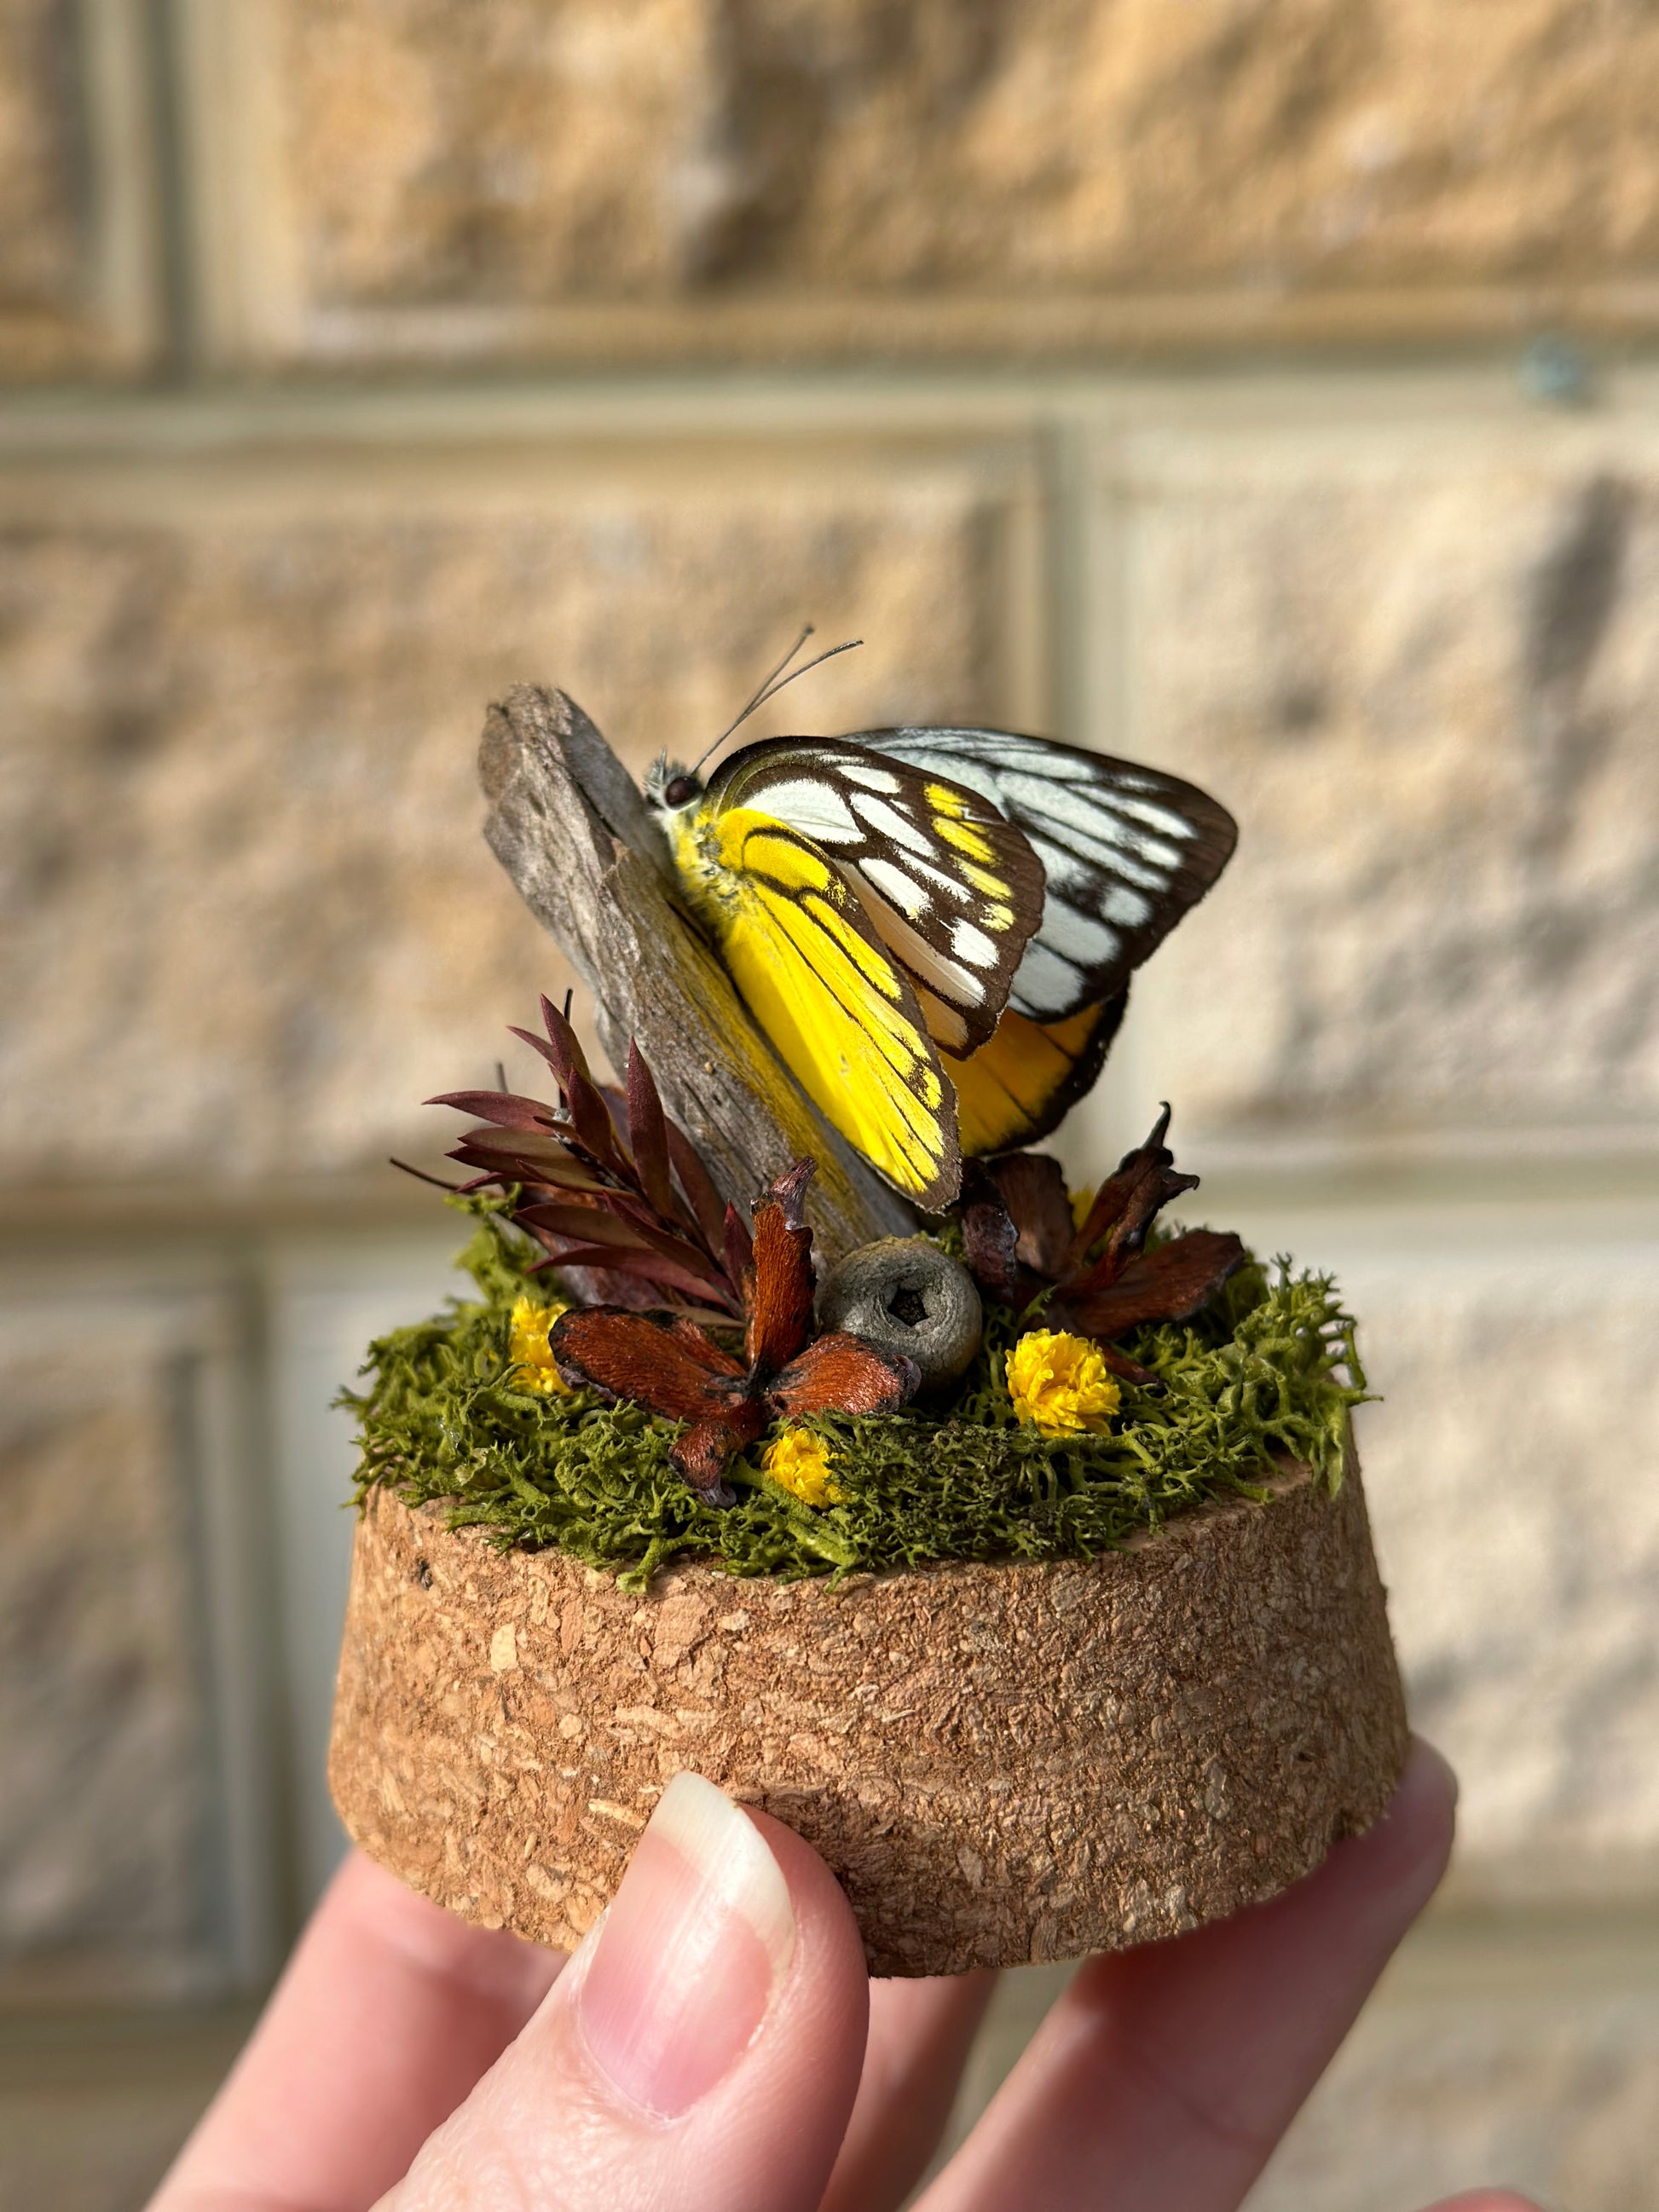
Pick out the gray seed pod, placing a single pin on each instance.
(904, 1295)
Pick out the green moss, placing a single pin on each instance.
(1271, 1368)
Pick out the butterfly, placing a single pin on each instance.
(936, 926)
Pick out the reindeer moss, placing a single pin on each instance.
(1269, 1369)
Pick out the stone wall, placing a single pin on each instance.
(1261, 388)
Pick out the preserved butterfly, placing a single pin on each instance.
(936, 927)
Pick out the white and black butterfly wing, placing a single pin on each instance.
(952, 887)
(1124, 850)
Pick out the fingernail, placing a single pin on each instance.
(695, 1943)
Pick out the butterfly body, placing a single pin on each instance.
(869, 914)
(935, 927)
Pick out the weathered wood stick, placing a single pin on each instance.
(590, 861)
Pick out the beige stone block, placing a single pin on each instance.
(80, 280)
(251, 922)
(39, 242)
(1419, 662)
(420, 178)
(326, 1299)
(110, 1843)
(1512, 1471)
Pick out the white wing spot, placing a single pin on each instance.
(1046, 983)
(1122, 904)
(1118, 850)
(1158, 817)
(869, 777)
(926, 964)
(1100, 826)
(906, 894)
(887, 821)
(1062, 870)
(972, 945)
(1080, 937)
(1077, 806)
(816, 810)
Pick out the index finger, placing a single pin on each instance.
(1165, 2076)
(390, 2011)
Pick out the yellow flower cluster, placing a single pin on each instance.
(797, 1462)
(528, 1349)
(1060, 1384)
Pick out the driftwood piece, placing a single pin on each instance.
(1002, 1763)
(588, 859)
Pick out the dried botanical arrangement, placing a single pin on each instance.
(798, 1300)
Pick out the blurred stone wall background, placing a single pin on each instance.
(1266, 388)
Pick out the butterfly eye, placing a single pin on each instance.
(681, 791)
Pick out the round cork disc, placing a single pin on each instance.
(1001, 1763)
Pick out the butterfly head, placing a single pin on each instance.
(670, 784)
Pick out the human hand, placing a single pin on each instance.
(715, 2043)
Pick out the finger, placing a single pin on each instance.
(389, 2012)
(1166, 2075)
(702, 2047)
(1485, 2200)
(921, 2033)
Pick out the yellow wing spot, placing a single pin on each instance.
(950, 821)
(992, 886)
(748, 840)
(966, 841)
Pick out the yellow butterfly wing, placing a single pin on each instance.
(1020, 1087)
(838, 1011)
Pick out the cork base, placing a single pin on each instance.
(1001, 1764)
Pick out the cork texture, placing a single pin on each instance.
(1002, 1764)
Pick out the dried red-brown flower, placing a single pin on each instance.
(669, 1365)
(610, 1188)
(1103, 1281)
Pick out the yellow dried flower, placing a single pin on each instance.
(1081, 1202)
(797, 1462)
(1060, 1384)
(528, 1348)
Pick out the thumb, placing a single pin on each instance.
(701, 2049)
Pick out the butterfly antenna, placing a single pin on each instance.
(775, 682)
